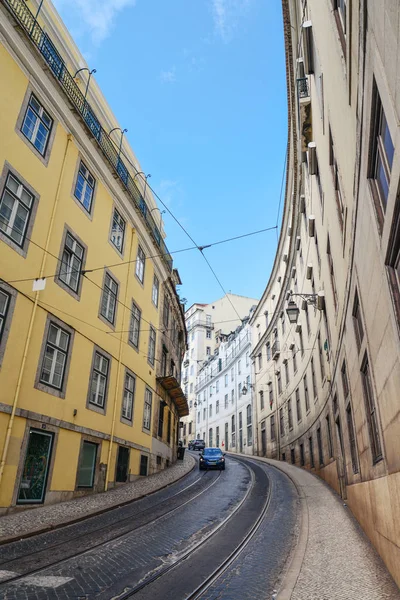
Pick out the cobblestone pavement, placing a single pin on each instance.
(134, 555)
(261, 566)
(339, 562)
(49, 516)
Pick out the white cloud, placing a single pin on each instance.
(96, 17)
(168, 76)
(227, 15)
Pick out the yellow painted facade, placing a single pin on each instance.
(65, 411)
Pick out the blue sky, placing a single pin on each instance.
(200, 86)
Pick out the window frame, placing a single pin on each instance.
(81, 163)
(147, 409)
(140, 266)
(75, 293)
(151, 354)
(11, 294)
(155, 290)
(39, 114)
(371, 410)
(93, 369)
(120, 218)
(102, 316)
(134, 307)
(125, 419)
(59, 392)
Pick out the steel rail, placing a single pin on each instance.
(169, 512)
(162, 572)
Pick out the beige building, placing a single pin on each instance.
(328, 379)
(204, 323)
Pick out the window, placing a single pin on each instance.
(233, 396)
(286, 371)
(98, 385)
(204, 414)
(208, 351)
(166, 312)
(129, 393)
(268, 350)
(152, 346)
(37, 125)
(320, 452)
(371, 410)
(307, 315)
(290, 415)
(321, 358)
(283, 322)
(336, 181)
(259, 361)
(118, 231)
(271, 395)
(191, 388)
(71, 263)
(279, 380)
(310, 441)
(314, 381)
(148, 399)
(352, 439)
(307, 401)
(332, 273)
(292, 456)
(281, 422)
(211, 390)
(239, 390)
(298, 405)
(217, 386)
(210, 437)
(155, 290)
(87, 465)
(345, 381)
(329, 432)
(109, 298)
(239, 368)
(302, 460)
(161, 418)
(140, 261)
(208, 320)
(217, 406)
(226, 400)
(84, 187)
(4, 304)
(294, 359)
(357, 321)
(208, 334)
(382, 151)
(272, 422)
(249, 419)
(55, 357)
(226, 380)
(198, 416)
(247, 359)
(233, 430)
(15, 210)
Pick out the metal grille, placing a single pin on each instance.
(45, 46)
(302, 87)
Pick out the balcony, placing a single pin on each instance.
(305, 113)
(200, 323)
(57, 67)
(275, 350)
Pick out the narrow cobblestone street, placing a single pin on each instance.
(256, 529)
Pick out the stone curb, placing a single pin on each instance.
(293, 571)
(89, 514)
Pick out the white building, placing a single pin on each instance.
(204, 322)
(224, 394)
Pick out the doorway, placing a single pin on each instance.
(32, 487)
(122, 464)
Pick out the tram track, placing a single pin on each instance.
(45, 557)
(146, 584)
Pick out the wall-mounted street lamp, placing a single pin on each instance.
(244, 388)
(293, 311)
(120, 142)
(88, 81)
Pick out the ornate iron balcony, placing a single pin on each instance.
(45, 46)
(302, 88)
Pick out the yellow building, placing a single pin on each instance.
(83, 274)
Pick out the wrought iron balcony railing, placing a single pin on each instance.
(58, 68)
(302, 88)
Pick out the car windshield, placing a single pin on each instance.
(212, 452)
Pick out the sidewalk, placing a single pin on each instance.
(333, 560)
(22, 524)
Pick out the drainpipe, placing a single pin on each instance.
(118, 369)
(32, 319)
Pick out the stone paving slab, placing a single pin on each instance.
(43, 518)
(334, 559)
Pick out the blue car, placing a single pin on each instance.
(212, 458)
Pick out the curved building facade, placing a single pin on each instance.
(326, 330)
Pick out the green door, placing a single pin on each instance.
(32, 487)
(87, 465)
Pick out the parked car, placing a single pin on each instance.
(212, 458)
(198, 445)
